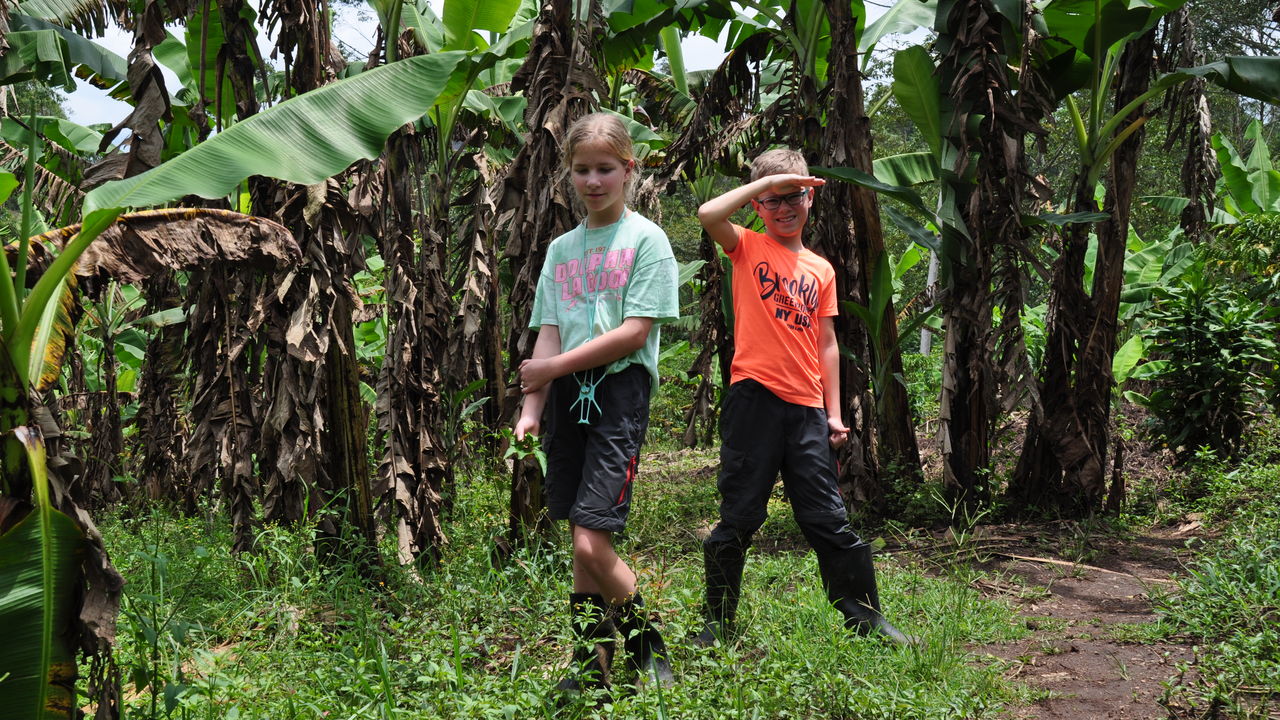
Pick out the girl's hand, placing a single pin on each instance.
(526, 426)
(534, 374)
(839, 433)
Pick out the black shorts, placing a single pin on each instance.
(590, 467)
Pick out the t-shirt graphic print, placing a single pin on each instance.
(778, 297)
(594, 279)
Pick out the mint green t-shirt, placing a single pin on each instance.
(625, 269)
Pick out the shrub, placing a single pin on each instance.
(1216, 357)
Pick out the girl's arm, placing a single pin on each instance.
(829, 364)
(619, 342)
(547, 345)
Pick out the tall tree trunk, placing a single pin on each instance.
(1064, 460)
(311, 345)
(847, 232)
(557, 78)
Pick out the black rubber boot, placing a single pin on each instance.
(593, 644)
(849, 577)
(646, 653)
(724, 563)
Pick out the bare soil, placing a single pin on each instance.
(1080, 596)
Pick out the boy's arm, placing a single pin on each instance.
(829, 363)
(619, 342)
(530, 421)
(714, 214)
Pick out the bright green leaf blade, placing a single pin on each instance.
(24, 611)
(904, 17)
(8, 182)
(1265, 190)
(1172, 204)
(1260, 154)
(302, 140)
(98, 65)
(1234, 173)
(907, 169)
(853, 175)
(462, 18)
(36, 55)
(422, 19)
(915, 86)
(1127, 358)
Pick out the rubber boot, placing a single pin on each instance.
(724, 563)
(646, 653)
(849, 577)
(593, 645)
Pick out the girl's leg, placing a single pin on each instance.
(597, 567)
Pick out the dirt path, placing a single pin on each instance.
(1080, 614)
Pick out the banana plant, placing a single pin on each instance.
(294, 141)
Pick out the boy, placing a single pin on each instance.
(782, 409)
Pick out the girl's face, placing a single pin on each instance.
(600, 179)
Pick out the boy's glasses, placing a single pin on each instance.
(794, 199)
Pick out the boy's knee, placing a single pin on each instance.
(828, 533)
(725, 535)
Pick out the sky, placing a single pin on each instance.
(353, 28)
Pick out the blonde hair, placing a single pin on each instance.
(778, 161)
(608, 130)
(602, 128)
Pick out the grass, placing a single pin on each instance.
(276, 635)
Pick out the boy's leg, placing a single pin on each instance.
(750, 454)
(844, 561)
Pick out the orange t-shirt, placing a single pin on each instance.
(778, 296)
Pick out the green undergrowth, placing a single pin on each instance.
(1227, 600)
(274, 634)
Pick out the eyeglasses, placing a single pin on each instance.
(775, 202)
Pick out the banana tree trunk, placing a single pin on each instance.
(849, 234)
(1064, 460)
(160, 427)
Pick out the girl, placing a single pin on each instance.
(605, 288)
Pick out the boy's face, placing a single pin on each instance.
(784, 210)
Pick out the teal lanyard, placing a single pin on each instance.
(587, 384)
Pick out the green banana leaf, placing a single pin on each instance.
(36, 55)
(303, 140)
(39, 571)
(914, 168)
(63, 12)
(71, 136)
(852, 175)
(915, 86)
(905, 16)
(462, 18)
(90, 60)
